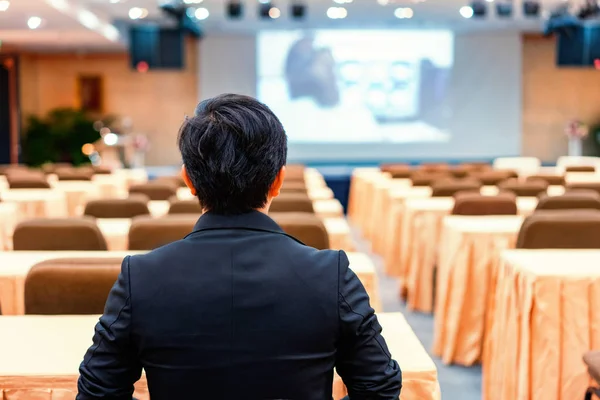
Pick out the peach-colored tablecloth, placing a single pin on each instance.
(420, 238)
(545, 316)
(116, 233)
(37, 203)
(14, 266)
(40, 356)
(77, 194)
(9, 218)
(468, 250)
(419, 374)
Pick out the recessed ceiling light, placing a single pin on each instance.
(337, 12)
(4, 4)
(138, 13)
(192, 1)
(34, 22)
(274, 12)
(403, 13)
(113, 1)
(202, 13)
(466, 11)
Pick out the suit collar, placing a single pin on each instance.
(255, 220)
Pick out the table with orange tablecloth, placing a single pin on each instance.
(419, 374)
(116, 232)
(8, 220)
(77, 194)
(417, 251)
(40, 356)
(15, 265)
(469, 248)
(544, 317)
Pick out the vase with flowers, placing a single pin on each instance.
(576, 132)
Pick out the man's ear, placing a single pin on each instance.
(277, 183)
(187, 180)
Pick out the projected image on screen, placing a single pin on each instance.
(357, 86)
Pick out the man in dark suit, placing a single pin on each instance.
(237, 309)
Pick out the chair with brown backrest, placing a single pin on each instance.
(420, 178)
(493, 177)
(449, 187)
(477, 204)
(70, 286)
(101, 170)
(76, 234)
(578, 199)
(74, 174)
(49, 168)
(306, 227)
(294, 172)
(433, 167)
(592, 360)
(397, 171)
(560, 229)
(555, 180)
(147, 233)
(27, 182)
(116, 208)
(580, 168)
(173, 179)
(191, 206)
(292, 202)
(293, 186)
(527, 189)
(595, 186)
(155, 190)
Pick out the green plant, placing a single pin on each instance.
(58, 137)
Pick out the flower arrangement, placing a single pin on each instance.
(141, 143)
(576, 129)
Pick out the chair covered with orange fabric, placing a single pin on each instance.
(397, 171)
(493, 177)
(147, 233)
(595, 186)
(433, 167)
(528, 188)
(560, 229)
(74, 174)
(292, 202)
(173, 179)
(555, 180)
(421, 178)
(570, 200)
(191, 206)
(580, 168)
(27, 182)
(116, 208)
(477, 204)
(155, 190)
(306, 227)
(49, 234)
(448, 188)
(294, 172)
(293, 186)
(70, 286)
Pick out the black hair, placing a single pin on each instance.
(232, 149)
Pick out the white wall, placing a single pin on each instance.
(485, 99)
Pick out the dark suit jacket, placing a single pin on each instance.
(238, 310)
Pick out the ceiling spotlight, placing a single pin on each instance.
(201, 13)
(337, 12)
(403, 13)
(34, 22)
(113, 1)
(274, 13)
(4, 4)
(135, 13)
(192, 1)
(383, 2)
(466, 11)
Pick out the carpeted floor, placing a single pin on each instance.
(457, 383)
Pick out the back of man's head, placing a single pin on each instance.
(232, 149)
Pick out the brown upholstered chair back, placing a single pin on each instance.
(477, 166)
(155, 190)
(75, 286)
(100, 170)
(595, 186)
(592, 360)
(528, 188)
(191, 206)
(580, 168)
(570, 201)
(50, 167)
(116, 208)
(58, 234)
(74, 174)
(493, 177)
(294, 173)
(174, 180)
(306, 227)
(293, 186)
(477, 204)
(433, 167)
(447, 188)
(27, 182)
(560, 229)
(419, 178)
(147, 233)
(556, 180)
(397, 171)
(292, 202)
